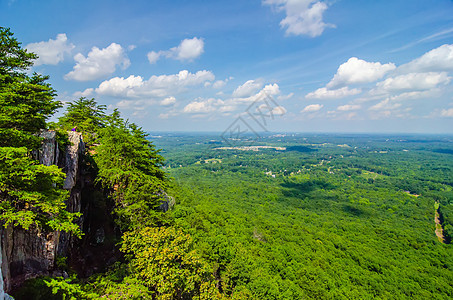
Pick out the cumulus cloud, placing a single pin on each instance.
(248, 88)
(426, 77)
(303, 17)
(312, 108)
(324, 93)
(412, 82)
(153, 57)
(270, 90)
(119, 86)
(168, 101)
(447, 112)
(85, 93)
(279, 111)
(137, 105)
(98, 63)
(155, 86)
(437, 60)
(348, 107)
(187, 50)
(51, 52)
(356, 71)
(219, 84)
(203, 106)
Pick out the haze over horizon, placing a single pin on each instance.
(326, 66)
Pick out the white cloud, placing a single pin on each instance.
(227, 108)
(248, 88)
(386, 104)
(285, 97)
(348, 107)
(312, 108)
(412, 82)
(447, 112)
(51, 52)
(436, 60)
(426, 77)
(356, 71)
(137, 105)
(220, 84)
(202, 106)
(153, 57)
(187, 50)
(303, 17)
(98, 63)
(168, 101)
(269, 90)
(155, 86)
(279, 111)
(118, 86)
(85, 93)
(324, 93)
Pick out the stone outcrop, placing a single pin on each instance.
(49, 152)
(71, 164)
(30, 253)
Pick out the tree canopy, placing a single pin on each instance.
(31, 194)
(86, 115)
(26, 102)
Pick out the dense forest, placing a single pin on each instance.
(308, 216)
(330, 217)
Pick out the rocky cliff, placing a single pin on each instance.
(29, 253)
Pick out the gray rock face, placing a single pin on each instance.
(73, 152)
(26, 254)
(31, 253)
(49, 152)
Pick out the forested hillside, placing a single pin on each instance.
(330, 217)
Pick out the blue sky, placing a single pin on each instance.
(296, 65)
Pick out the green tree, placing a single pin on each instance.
(87, 115)
(163, 259)
(26, 102)
(130, 166)
(31, 194)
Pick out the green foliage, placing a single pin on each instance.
(163, 260)
(32, 194)
(35, 289)
(86, 115)
(336, 223)
(130, 165)
(13, 59)
(25, 101)
(161, 264)
(61, 262)
(69, 289)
